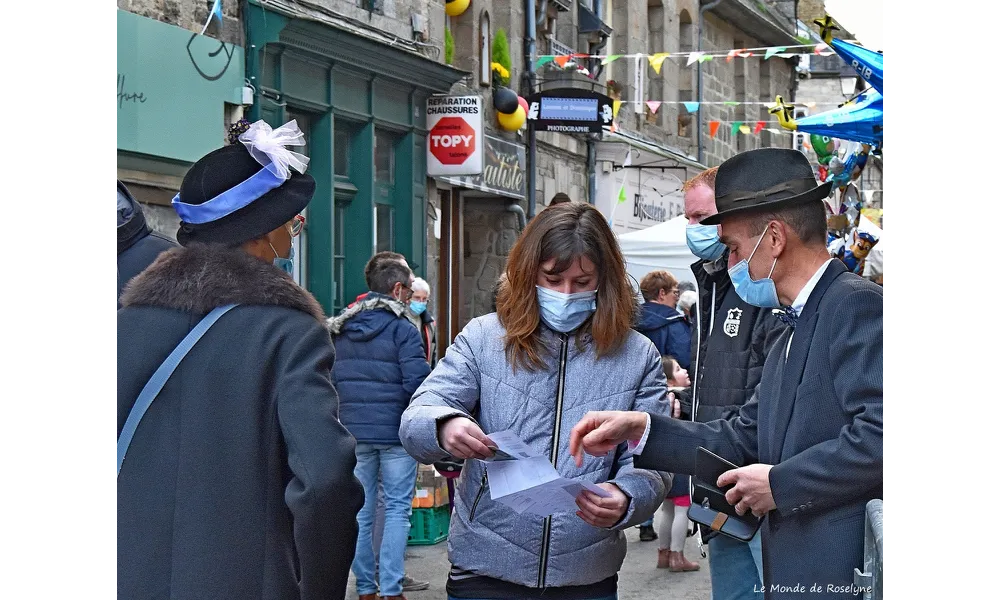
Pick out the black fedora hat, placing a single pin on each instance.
(767, 178)
(254, 201)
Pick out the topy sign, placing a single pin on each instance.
(455, 135)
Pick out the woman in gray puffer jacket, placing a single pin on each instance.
(560, 344)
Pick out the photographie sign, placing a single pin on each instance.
(569, 111)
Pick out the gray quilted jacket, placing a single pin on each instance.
(475, 380)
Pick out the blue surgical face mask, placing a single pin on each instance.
(417, 307)
(703, 241)
(760, 293)
(565, 312)
(285, 264)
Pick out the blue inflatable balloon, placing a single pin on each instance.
(867, 63)
(860, 121)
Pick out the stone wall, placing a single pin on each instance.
(191, 15)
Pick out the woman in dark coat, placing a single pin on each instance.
(239, 480)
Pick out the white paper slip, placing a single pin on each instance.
(510, 447)
(530, 484)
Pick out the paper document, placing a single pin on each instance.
(527, 482)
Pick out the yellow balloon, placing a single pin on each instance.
(512, 121)
(456, 7)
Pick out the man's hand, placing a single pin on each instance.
(602, 512)
(752, 491)
(462, 438)
(600, 432)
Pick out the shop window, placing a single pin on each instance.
(384, 227)
(341, 150)
(304, 121)
(385, 157)
(339, 253)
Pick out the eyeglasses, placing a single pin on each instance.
(298, 223)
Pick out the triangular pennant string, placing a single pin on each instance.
(772, 51)
(760, 125)
(617, 105)
(691, 107)
(713, 128)
(656, 60)
(562, 60)
(694, 57)
(731, 55)
(705, 58)
(735, 127)
(653, 105)
(607, 60)
(745, 129)
(544, 60)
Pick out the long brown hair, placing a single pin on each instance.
(564, 232)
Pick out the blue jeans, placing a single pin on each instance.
(398, 480)
(736, 568)
(648, 523)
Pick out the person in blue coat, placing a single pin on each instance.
(380, 363)
(661, 322)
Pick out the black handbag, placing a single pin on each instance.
(709, 506)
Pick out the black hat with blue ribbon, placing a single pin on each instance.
(241, 192)
(764, 179)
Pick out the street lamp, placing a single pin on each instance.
(848, 85)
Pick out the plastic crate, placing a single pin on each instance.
(429, 525)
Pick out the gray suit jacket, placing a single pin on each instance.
(817, 417)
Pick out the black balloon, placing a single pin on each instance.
(505, 100)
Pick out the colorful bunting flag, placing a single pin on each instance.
(694, 57)
(607, 60)
(617, 105)
(760, 125)
(543, 60)
(820, 48)
(562, 60)
(745, 129)
(713, 128)
(730, 103)
(772, 51)
(705, 57)
(735, 127)
(691, 106)
(656, 61)
(731, 55)
(653, 105)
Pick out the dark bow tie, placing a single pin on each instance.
(787, 315)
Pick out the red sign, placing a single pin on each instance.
(452, 140)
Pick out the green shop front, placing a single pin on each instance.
(361, 105)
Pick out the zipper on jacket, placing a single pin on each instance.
(475, 503)
(543, 559)
(697, 355)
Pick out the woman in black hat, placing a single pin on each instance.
(238, 481)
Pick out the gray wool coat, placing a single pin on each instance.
(475, 380)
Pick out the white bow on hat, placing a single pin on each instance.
(267, 146)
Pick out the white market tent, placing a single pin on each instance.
(660, 247)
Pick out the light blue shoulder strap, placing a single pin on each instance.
(159, 379)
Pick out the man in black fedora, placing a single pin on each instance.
(239, 479)
(809, 441)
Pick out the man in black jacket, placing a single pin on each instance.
(731, 341)
(138, 244)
